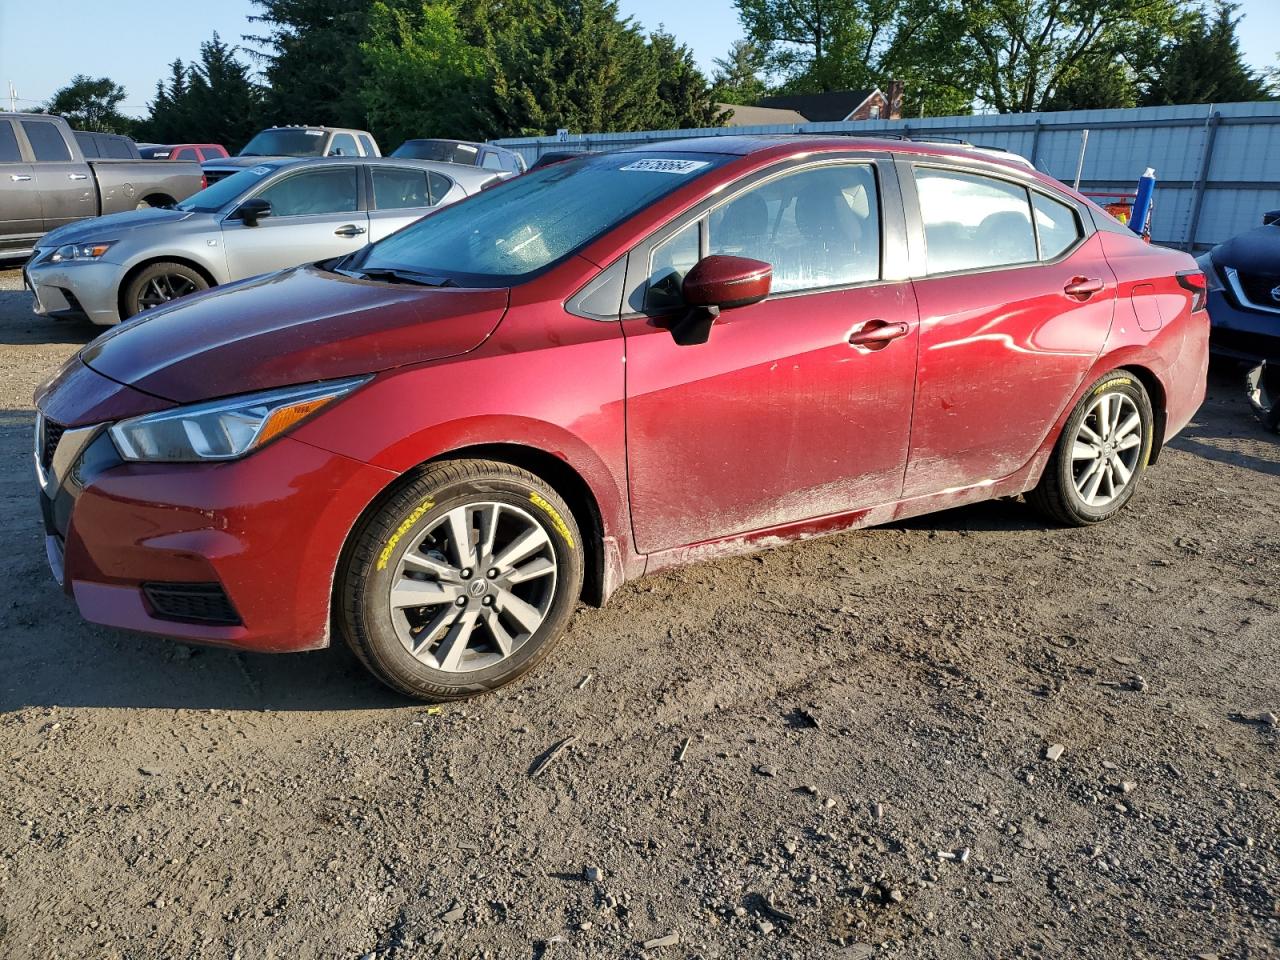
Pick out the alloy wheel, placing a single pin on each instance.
(162, 289)
(1104, 455)
(473, 587)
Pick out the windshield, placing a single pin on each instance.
(285, 143)
(503, 235)
(214, 198)
(443, 151)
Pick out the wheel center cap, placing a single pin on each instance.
(477, 588)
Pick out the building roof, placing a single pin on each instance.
(747, 116)
(822, 107)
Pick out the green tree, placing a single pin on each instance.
(311, 58)
(212, 100)
(569, 63)
(91, 103)
(1027, 49)
(684, 98)
(1204, 64)
(168, 119)
(737, 76)
(1094, 86)
(814, 46)
(421, 77)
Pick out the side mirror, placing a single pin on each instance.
(1270, 217)
(251, 211)
(718, 283)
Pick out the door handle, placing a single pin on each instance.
(876, 334)
(1082, 288)
(77, 176)
(19, 177)
(350, 230)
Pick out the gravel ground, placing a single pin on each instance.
(963, 736)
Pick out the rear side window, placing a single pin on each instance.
(440, 185)
(117, 148)
(9, 152)
(369, 150)
(213, 153)
(973, 222)
(46, 140)
(1057, 226)
(818, 228)
(331, 190)
(88, 144)
(396, 188)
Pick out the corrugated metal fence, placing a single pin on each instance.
(1218, 165)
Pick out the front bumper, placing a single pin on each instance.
(263, 533)
(1242, 333)
(86, 289)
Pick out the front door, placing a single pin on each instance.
(20, 218)
(1015, 306)
(315, 214)
(788, 411)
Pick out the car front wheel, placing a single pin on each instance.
(462, 581)
(1101, 455)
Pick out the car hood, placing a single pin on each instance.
(295, 326)
(113, 226)
(1257, 251)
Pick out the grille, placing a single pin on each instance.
(49, 438)
(191, 603)
(1258, 286)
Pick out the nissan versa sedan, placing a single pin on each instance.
(436, 446)
(276, 214)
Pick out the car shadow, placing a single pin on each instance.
(20, 327)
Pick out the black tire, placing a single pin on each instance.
(1056, 495)
(177, 279)
(370, 569)
(1262, 385)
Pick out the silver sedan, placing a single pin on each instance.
(276, 214)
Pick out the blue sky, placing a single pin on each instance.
(131, 41)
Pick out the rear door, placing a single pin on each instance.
(67, 189)
(21, 220)
(1016, 301)
(779, 416)
(401, 195)
(316, 213)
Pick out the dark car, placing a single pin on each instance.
(500, 160)
(1243, 276)
(435, 446)
(183, 151)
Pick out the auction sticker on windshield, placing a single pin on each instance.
(681, 167)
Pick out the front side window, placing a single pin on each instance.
(972, 222)
(396, 188)
(490, 161)
(186, 153)
(817, 228)
(343, 145)
(531, 222)
(1057, 226)
(367, 144)
(671, 260)
(46, 140)
(331, 190)
(9, 152)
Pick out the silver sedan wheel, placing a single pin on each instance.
(473, 587)
(164, 288)
(1104, 456)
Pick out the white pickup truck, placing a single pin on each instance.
(46, 182)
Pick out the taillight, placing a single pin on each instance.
(204, 182)
(1198, 285)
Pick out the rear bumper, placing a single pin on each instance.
(85, 290)
(1243, 334)
(262, 534)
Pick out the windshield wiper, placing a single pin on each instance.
(396, 275)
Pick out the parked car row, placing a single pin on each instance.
(46, 181)
(436, 445)
(277, 213)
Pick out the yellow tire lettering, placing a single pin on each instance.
(1116, 382)
(401, 530)
(557, 521)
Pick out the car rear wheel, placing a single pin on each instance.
(160, 283)
(1100, 458)
(462, 581)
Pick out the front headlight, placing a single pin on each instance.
(224, 429)
(1211, 275)
(80, 251)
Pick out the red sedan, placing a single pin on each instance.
(438, 445)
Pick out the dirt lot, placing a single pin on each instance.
(837, 749)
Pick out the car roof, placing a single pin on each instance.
(456, 171)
